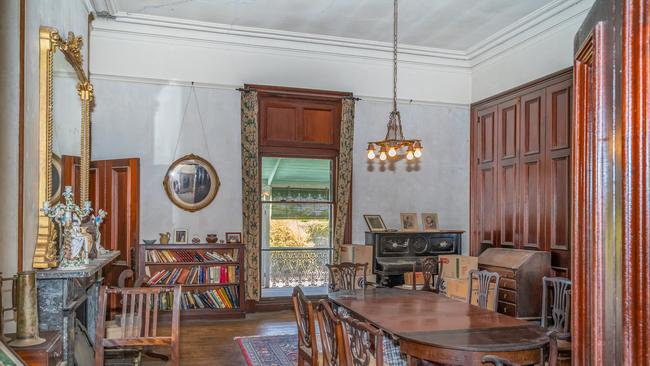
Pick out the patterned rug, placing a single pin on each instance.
(281, 350)
(276, 350)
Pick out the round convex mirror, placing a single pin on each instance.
(191, 183)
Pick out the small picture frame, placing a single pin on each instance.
(233, 238)
(409, 221)
(181, 236)
(375, 223)
(429, 222)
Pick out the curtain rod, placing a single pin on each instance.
(299, 93)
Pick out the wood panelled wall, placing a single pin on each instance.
(520, 169)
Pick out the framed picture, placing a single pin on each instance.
(375, 223)
(429, 222)
(8, 357)
(233, 238)
(180, 236)
(409, 221)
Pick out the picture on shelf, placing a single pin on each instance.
(233, 238)
(180, 236)
(409, 221)
(429, 222)
(375, 223)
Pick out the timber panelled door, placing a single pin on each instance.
(611, 186)
(520, 169)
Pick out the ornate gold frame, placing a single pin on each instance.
(46, 252)
(208, 199)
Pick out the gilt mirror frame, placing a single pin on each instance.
(214, 181)
(50, 41)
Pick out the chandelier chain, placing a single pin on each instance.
(395, 56)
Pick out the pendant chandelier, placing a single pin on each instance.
(394, 144)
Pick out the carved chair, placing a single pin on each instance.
(307, 339)
(331, 335)
(138, 322)
(484, 280)
(558, 301)
(363, 343)
(343, 276)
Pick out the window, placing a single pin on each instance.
(297, 218)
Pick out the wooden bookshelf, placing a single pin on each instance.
(202, 313)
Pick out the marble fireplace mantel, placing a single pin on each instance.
(61, 292)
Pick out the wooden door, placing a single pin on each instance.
(558, 175)
(531, 170)
(507, 176)
(610, 186)
(486, 180)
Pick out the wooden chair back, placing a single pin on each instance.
(558, 302)
(331, 335)
(138, 321)
(484, 280)
(343, 275)
(307, 341)
(363, 343)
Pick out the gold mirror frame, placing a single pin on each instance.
(46, 252)
(214, 181)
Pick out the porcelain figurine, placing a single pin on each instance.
(164, 237)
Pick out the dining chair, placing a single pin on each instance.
(343, 276)
(307, 339)
(484, 280)
(362, 342)
(138, 322)
(331, 335)
(556, 297)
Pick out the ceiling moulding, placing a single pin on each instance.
(542, 20)
(172, 28)
(546, 18)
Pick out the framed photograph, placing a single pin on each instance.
(181, 236)
(429, 222)
(409, 221)
(375, 223)
(233, 238)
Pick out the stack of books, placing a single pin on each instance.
(221, 298)
(169, 256)
(194, 275)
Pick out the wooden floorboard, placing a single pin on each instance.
(212, 342)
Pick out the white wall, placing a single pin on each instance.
(9, 99)
(437, 182)
(66, 16)
(139, 119)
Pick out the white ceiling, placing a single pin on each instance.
(446, 24)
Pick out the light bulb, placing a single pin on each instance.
(371, 154)
(392, 152)
(382, 156)
(418, 152)
(409, 155)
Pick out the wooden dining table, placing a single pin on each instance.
(436, 328)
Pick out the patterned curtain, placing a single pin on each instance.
(344, 176)
(250, 191)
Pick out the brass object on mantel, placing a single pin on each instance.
(26, 311)
(46, 252)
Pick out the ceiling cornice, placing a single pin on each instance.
(545, 19)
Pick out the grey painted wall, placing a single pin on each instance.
(136, 119)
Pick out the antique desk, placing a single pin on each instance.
(394, 252)
(67, 302)
(436, 328)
